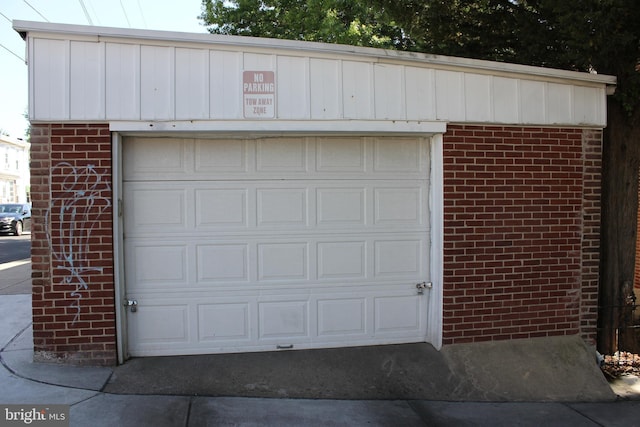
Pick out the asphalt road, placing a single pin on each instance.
(14, 248)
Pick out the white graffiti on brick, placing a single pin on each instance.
(77, 209)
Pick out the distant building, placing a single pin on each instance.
(14, 170)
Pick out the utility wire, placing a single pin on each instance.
(144, 21)
(94, 12)
(125, 14)
(36, 10)
(12, 52)
(5, 17)
(86, 14)
(6, 48)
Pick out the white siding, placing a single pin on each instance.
(478, 97)
(389, 92)
(157, 67)
(326, 89)
(505, 100)
(86, 71)
(450, 104)
(560, 109)
(226, 80)
(119, 79)
(50, 79)
(122, 77)
(192, 84)
(357, 91)
(420, 93)
(292, 81)
(533, 102)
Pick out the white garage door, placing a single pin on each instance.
(259, 244)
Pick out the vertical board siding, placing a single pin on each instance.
(559, 107)
(583, 106)
(259, 61)
(532, 102)
(96, 81)
(157, 85)
(50, 79)
(357, 94)
(420, 93)
(192, 84)
(505, 100)
(292, 88)
(325, 88)
(389, 92)
(122, 81)
(450, 95)
(478, 95)
(86, 73)
(225, 79)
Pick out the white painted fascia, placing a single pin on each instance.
(325, 127)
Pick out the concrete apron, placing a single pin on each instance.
(542, 369)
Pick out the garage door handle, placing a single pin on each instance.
(132, 304)
(422, 286)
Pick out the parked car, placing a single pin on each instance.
(15, 218)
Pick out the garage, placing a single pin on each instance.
(197, 194)
(275, 243)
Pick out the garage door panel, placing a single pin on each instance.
(159, 324)
(399, 206)
(158, 265)
(399, 258)
(283, 319)
(341, 206)
(339, 260)
(339, 317)
(168, 159)
(259, 243)
(304, 319)
(257, 206)
(283, 261)
(157, 158)
(223, 321)
(282, 155)
(341, 155)
(399, 155)
(222, 263)
(397, 313)
(282, 207)
(264, 261)
(226, 155)
(150, 208)
(221, 207)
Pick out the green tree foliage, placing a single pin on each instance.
(330, 21)
(584, 35)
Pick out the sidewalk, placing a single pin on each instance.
(25, 382)
(15, 277)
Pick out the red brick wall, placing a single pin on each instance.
(72, 245)
(521, 236)
(516, 204)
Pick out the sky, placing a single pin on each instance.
(168, 15)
